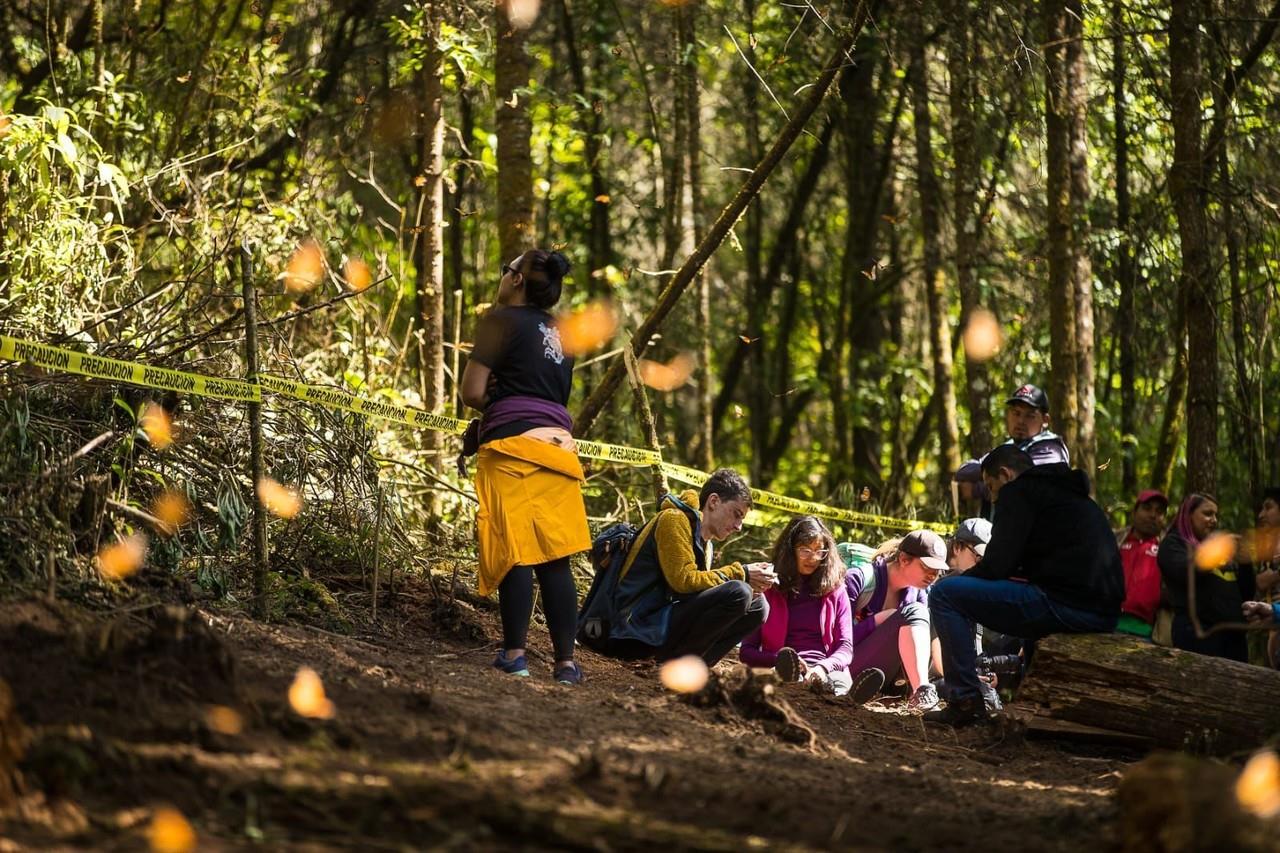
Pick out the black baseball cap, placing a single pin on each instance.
(1032, 396)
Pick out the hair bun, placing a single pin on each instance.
(558, 265)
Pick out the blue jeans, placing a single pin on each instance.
(1010, 607)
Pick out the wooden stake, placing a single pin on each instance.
(377, 551)
(255, 434)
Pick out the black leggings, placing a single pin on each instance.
(559, 604)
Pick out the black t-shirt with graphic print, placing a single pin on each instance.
(521, 345)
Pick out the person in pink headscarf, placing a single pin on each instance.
(1219, 591)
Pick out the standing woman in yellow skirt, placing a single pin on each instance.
(528, 478)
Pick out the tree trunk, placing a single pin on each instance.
(429, 260)
(1126, 317)
(456, 263)
(1086, 447)
(934, 278)
(787, 235)
(513, 128)
(720, 228)
(1174, 407)
(599, 242)
(687, 21)
(965, 176)
(759, 403)
(1197, 281)
(1179, 700)
(1064, 384)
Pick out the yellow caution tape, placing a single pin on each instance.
(618, 453)
(70, 361)
(795, 506)
(334, 399)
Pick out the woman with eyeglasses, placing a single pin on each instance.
(807, 635)
(891, 615)
(528, 477)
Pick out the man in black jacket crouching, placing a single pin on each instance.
(1052, 566)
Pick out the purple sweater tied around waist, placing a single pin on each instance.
(535, 410)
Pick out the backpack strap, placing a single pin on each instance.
(641, 536)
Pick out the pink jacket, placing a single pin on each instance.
(760, 647)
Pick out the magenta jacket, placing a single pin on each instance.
(760, 648)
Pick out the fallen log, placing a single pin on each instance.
(1167, 697)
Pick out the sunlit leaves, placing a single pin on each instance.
(669, 376)
(279, 500)
(588, 328)
(305, 268)
(158, 426)
(170, 832)
(1258, 788)
(982, 336)
(119, 560)
(1215, 551)
(306, 695)
(686, 674)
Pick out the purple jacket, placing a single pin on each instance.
(760, 647)
(864, 621)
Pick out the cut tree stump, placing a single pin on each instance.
(1117, 685)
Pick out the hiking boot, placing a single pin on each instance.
(965, 711)
(516, 666)
(924, 699)
(569, 673)
(788, 666)
(866, 685)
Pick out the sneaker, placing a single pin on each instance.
(961, 712)
(866, 685)
(516, 666)
(788, 666)
(924, 699)
(569, 673)
(823, 686)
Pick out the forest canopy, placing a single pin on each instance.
(988, 194)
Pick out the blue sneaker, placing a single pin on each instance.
(570, 673)
(517, 666)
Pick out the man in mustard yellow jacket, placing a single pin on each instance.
(669, 600)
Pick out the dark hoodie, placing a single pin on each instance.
(1050, 532)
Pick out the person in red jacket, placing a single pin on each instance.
(1139, 543)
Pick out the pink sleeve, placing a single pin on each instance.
(752, 654)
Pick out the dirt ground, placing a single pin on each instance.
(432, 749)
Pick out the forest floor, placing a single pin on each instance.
(431, 748)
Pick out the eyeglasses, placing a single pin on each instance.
(507, 269)
(809, 553)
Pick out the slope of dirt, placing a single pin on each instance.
(430, 748)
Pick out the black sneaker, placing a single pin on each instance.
(788, 665)
(866, 685)
(961, 712)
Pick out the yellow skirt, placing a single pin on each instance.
(531, 508)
